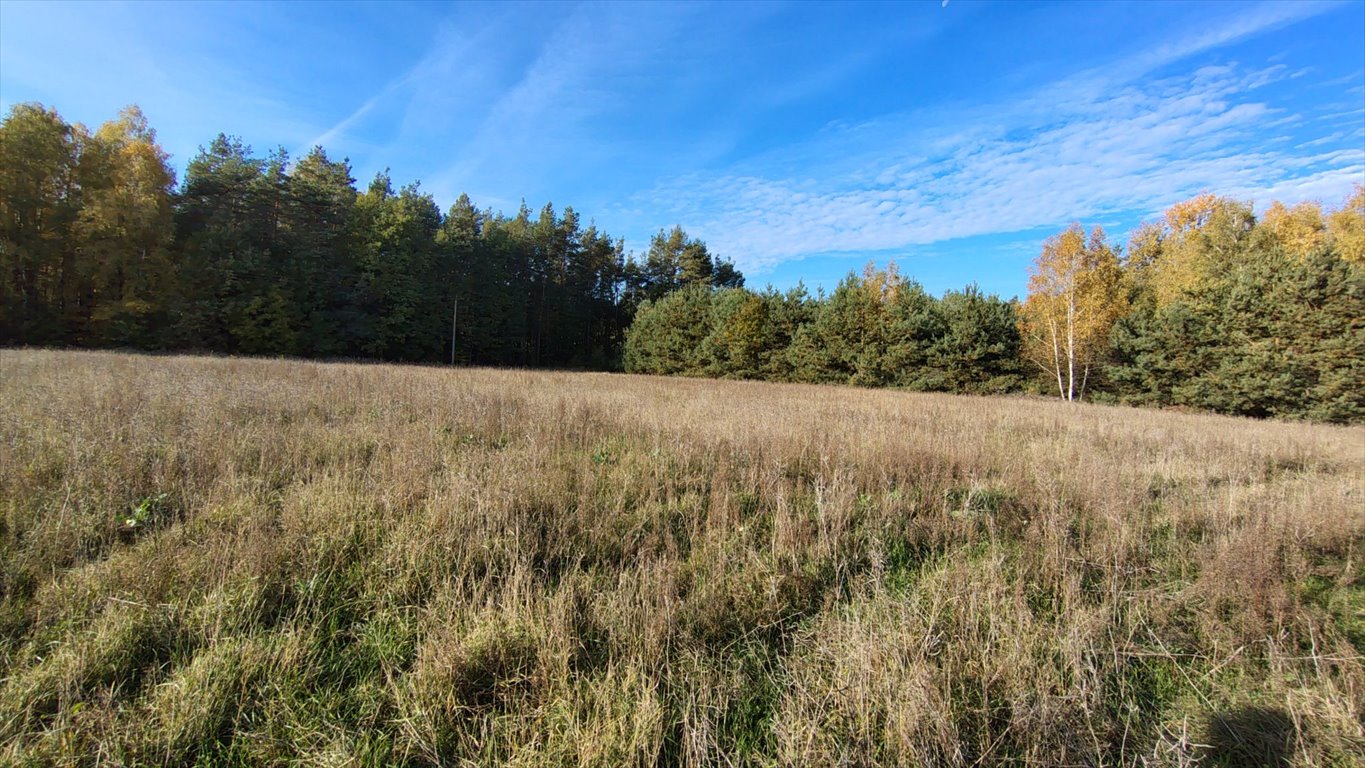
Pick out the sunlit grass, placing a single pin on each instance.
(400, 565)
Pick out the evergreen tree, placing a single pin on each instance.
(599, 270)
(320, 279)
(849, 340)
(397, 258)
(786, 314)
(1272, 333)
(667, 334)
(739, 333)
(980, 348)
(473, 279)
(228, 236)
(917, 327)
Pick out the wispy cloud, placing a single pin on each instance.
(454, 52)
(553, 90)
(556, 103)
(1091, 146)
(332, 134)
(1254, 21)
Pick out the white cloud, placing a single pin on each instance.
(1083, 148)
(1253, 21)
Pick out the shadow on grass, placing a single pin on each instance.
(1250, 737)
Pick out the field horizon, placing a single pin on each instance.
(243, 561)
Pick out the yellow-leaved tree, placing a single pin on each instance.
(1075, 295)
(1200, 238)
(1300, 230)
(124, 228)
(1346, 226)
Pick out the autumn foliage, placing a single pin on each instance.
(1076, 293)
(1214, 305)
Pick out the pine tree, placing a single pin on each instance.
(667, 334)
(397, 255)
(320, 277)
(980, 348)
(738, 335)
(917, 328)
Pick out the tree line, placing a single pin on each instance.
(1213, 308)
(262, 254)
(876, 329)
(1210, 307)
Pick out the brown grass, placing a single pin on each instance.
(350, 564)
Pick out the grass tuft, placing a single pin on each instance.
(249, 562)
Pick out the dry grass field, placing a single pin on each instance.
(248, 562)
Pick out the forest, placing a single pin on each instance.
(1210, 307)
(269, 255)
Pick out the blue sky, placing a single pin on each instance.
(800, 140)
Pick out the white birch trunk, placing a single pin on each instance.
(1056, 356)
(1071, 344)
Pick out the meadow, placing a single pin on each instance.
(222, 561)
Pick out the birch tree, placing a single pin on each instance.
(1075, 295)
(1346, 228)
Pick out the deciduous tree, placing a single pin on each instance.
(1075, 295)
(1346, 228)
(1299, 230)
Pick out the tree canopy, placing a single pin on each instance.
(265, 254)
(1210, 306)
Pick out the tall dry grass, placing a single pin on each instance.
(253, 562)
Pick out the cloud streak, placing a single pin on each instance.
(1089, 146)
(1260, 19)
